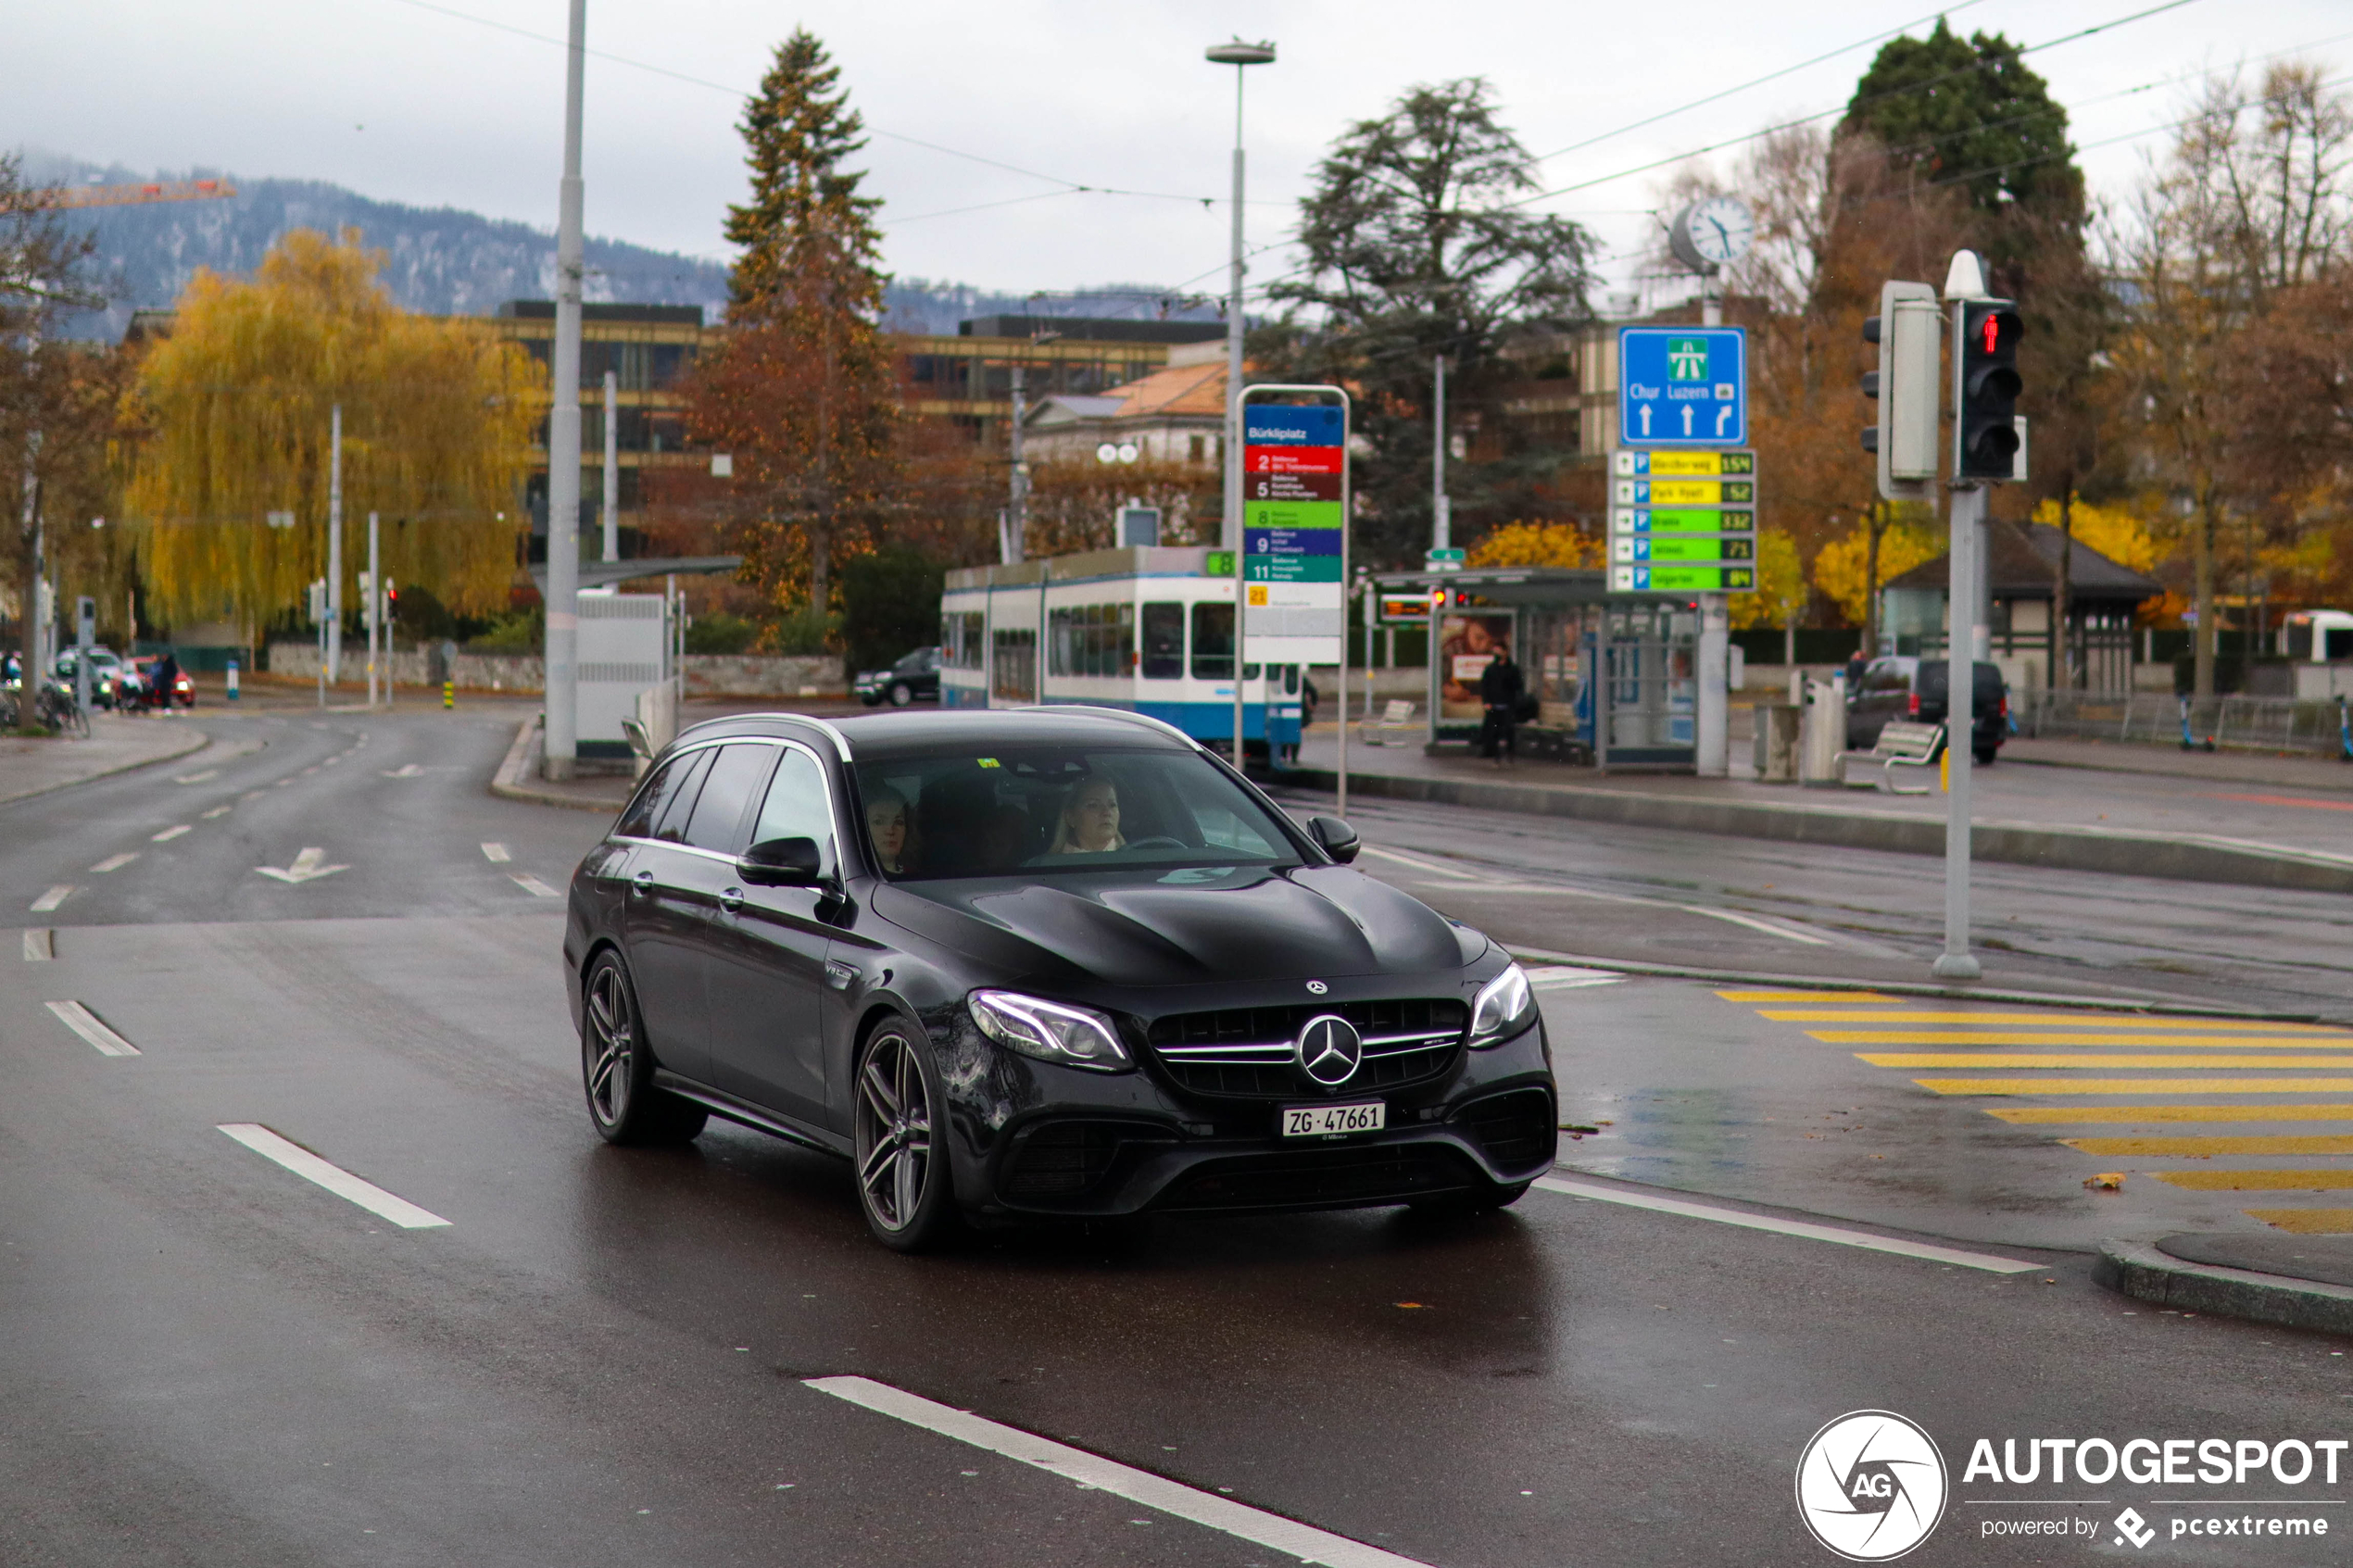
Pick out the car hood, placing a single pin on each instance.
(1160, 928)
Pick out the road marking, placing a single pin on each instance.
(2306, 1221)
(2075, 1020)
(282, 784)
(51, 899)
(2136, 1086)
(306, 867)
(1433, 867)
(40, 945)
(1564, 977)
(333, 760)
(406, 770)
(496, 853)
(1812, 1232)
(335, 1179)
(533, 885)
(1768, 927)
(2070, 1037)
(219, 811)
(2258, 1181)
(197, 778)
(114, 862)
(1859, 996)
(2067, 1113)
(167, 834)
(2285, 801)
(1094, 1472)
(2109, 1059)
(2196, 1149)
(85, 1023)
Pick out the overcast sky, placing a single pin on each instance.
(408, 102)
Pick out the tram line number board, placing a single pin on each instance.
(1294, 485)
(1683, 523)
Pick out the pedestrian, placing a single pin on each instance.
(1501, 689)
(167, 682)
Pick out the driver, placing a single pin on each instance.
(1089, 820)
(887, 827)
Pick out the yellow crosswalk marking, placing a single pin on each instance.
(2136, 1086)
(2194, 1148)
(1955, 1037)
(2107, 1058)
(2084, 1113)
(2258, 1181)
(1992, 1019)
(2306, 1221)
(1869, 997)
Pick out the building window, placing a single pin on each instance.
(1197, 447)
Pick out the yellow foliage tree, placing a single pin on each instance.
(1842, 566)
(234, 413)
(2112, 531)
(1780, 597)
(1537, 543)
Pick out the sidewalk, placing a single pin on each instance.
(2271, 822)
(2295, 1281)
(116, 745)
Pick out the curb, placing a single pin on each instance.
(507, 782)
(2180, 858)
(198, 741)
(2137, 1269)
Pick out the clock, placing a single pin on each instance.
(1712, 233)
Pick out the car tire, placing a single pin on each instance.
(1985, 754)
(617, 1065)
(901, 694)
(899, 1133)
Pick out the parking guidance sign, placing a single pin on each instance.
(1682, 386)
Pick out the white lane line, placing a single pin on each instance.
(85, 1023)
(332, 760)
(496, 853)
(533, 885)
(1419, 864)
(197, 778)
(167, 834)
(51, 899)
(1811, 1231)
(114, 862)
(335, 1178)
(219, 811)
(1560, 977)
(1093, 1472)
(1768, 927)
(40, 945)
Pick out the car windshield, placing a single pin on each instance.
(1032, 810)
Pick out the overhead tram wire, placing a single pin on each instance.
(1904, 90)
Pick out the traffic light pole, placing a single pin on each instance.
(1961, 728)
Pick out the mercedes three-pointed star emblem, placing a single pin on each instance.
(1329, 1050)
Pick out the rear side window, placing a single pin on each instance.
(658, 791)
(670, 824)
(733, 779)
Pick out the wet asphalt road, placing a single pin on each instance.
(601, 1358)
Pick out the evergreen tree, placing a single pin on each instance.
(805, 222)
(1970, 113)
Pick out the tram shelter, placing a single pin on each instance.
(1615, 676)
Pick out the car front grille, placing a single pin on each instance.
(1515, 1131)
(1248, 1052)
(1371, 1174)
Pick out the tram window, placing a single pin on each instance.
(959, 640)
(1165, 640)
(1291, 680)
(1213, 642)
(2337, 643)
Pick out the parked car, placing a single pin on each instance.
(914, 679)
(183, 687)
(1039, 963)
(104, 669)
(1914, 690)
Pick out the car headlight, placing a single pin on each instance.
(1506, 1005)
(1049, 1030)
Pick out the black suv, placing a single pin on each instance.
(914, 679)
(1914, 690)
(1048, 962)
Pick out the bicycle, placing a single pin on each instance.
(58, 712)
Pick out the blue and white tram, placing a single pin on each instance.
(1138, 627)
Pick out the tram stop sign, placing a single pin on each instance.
(1682, 386)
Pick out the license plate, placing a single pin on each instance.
(1325, 1121)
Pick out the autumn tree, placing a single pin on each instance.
(801, 392)
(1417, 244)
(233, 413)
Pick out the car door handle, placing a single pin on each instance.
(643, 883)
(731, 899)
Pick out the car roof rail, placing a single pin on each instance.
(1130, 714)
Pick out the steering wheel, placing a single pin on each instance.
(1160, 841)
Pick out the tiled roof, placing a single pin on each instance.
(2025, 564)
(1180, 389)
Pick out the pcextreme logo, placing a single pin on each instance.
(1871, 1486)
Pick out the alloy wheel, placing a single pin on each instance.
(610, 1045)
(894, 1132)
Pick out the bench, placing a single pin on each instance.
(1397, 715)
(1899, 746)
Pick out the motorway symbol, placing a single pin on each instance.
(306, 868)
(1682, 386)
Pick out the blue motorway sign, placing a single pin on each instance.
(1682, 386)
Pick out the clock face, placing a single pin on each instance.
(1720, 229)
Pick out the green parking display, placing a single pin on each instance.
(1645, 579)
(1685, 549)
(1698, 522)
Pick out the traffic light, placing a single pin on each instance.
(1907, 330)
(1985, 389)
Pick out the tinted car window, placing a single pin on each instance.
(1936, 675)
(727, 789)
(653, 798)
(795, 803)
(670, 822)
(1059, 809)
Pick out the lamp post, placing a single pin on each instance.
(1238, 54)
(561, 733)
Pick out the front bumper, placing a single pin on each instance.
(1093, 1144)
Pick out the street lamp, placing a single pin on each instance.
(1238, 54)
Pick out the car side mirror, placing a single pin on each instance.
(1336, 838)
(783, 862)
(639, 742)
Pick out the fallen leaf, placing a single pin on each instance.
(2107, 1181)
(1577, 1128)
(1408, 1305)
